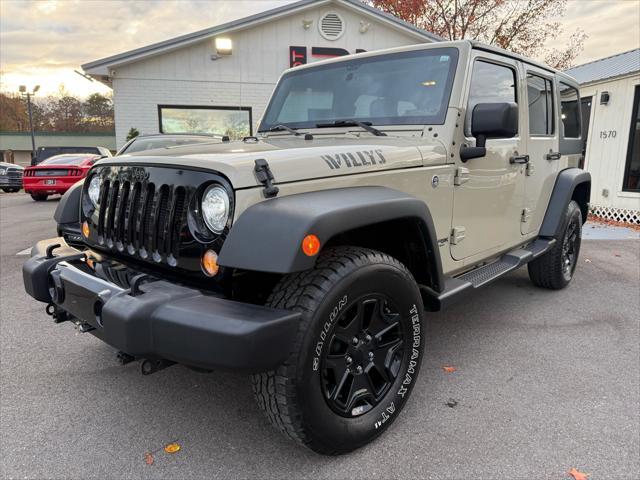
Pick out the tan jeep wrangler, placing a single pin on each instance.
(381, 186)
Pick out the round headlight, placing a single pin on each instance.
(94, 190)
(215, 208)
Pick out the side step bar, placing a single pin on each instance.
(487, 273)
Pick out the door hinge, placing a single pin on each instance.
(529, 169)
(526, 215)
(462, 176)
(457, 235)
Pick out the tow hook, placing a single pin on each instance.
(152, 366)
(56, 313)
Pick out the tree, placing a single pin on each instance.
(133, 133)
(13, 113)
(522, 26)
(98, 111)
(66, 114)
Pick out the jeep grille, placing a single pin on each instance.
(142, 217)
(145, 212)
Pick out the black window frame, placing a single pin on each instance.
(550, 103)
(203, 107)
(516, 90)
(632, 133)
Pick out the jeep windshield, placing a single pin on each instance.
(407, 88)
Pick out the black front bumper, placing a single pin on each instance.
(159, 319)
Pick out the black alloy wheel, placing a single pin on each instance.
(555, 269)
(363, 357)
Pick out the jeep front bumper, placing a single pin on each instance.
(159, 319)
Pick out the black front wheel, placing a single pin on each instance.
(10, 189)
(39, 197)
(555, 269)
(357, 353)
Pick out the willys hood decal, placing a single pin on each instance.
(293, 159)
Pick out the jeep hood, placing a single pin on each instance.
(293, 159)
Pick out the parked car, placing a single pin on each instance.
(142, 143)
(42, 153)
(10, 177)
(57, 174)
(311, 255)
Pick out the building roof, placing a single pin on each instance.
(100, 67)
(609, 67)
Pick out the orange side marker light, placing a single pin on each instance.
(85, 229)
(311, 245)
(210, 263)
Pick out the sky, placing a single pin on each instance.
(43, 41)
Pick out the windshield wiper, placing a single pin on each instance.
(352, 123)
(281, 127)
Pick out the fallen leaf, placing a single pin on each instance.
(586, 260)
(449, 369)
(148, 458)
(172, 448)
(617, 255)
(452, 403)
(577, 475)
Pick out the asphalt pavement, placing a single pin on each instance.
(544, 382)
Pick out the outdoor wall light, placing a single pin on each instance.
(224, 46)
(306, 24)
(604, 98)
(364, 26)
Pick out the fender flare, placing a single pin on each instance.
(267, 236)
(563, 192)
(68, 209)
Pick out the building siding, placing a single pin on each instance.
(606, 158)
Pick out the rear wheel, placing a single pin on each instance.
(39, 197)
(357, 352)
(554, 270)
(10, 189)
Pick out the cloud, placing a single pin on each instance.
(48, 36)
(612, 27)
(43, 41)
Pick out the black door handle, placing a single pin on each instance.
(553, 156)
(519, 159)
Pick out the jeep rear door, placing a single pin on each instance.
(489, 193)
(542, 146)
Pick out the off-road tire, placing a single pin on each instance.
(39, 197)
(549, 270)
(292, 396)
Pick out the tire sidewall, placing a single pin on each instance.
(339, 432)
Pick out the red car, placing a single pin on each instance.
(56, 174)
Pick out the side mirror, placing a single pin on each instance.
(490, 120)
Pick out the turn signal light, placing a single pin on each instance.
(311, 245)
(210, 263)
(85, 229)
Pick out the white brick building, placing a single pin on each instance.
(191, 83)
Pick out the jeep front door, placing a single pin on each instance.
(542, 143)
(488, 194)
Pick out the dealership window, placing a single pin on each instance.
(232, 121)
(569, 111)
(540, 96)
(631, 181)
